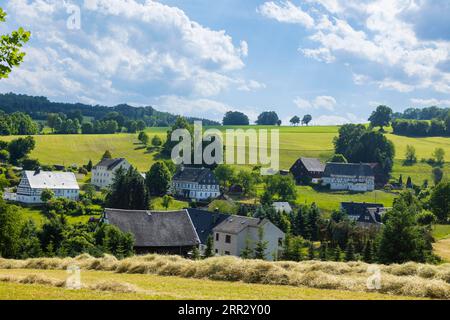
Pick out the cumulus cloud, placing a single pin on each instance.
(320, 102)
(286, 12)
(125, 50)
(386, 34)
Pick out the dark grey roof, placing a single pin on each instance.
(359, 208)
(199, 175)
(377, 213)
(204, 222)
(313, 164)
(235, 224)
(110, 164)
(155, 229)
(348, 169)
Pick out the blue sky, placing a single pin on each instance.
(334, 59)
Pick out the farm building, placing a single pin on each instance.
(63, 185)
(195, 183)
(204, 223)
(349, 176)
(365, 214)
(233, 235)
(306, 170)
(282, 207)
(104, 172)
(156, 232)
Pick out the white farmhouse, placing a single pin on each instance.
(282, 207)
(195, 183)
(63, 184)
(104, 172)
(234, 234)
(349, 176)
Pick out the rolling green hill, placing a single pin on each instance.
(294, 142)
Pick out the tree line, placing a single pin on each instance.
(39, 108)
(422, 128)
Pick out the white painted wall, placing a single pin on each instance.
(103, 178)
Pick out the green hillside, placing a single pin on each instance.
(294, 142)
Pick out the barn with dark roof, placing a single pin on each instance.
(170, 232)
(305, 170)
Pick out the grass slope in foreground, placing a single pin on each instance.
(410, 279)
(159, 287)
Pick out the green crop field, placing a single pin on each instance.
(159, 287)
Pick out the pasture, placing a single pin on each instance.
(294, 143)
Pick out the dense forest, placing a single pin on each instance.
(40, 107)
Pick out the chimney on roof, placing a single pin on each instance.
(37, 171)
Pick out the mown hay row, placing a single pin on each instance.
(410, 279)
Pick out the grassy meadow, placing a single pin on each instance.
(294, 143)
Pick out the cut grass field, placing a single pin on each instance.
(232, 278)
(153, 287)
(442, 249)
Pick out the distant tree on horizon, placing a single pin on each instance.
(295, 120)
(307, 119)
(268, 118)
(235, 118)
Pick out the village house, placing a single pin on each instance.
(169, 232)
(233, 235)
(204, 222)
(195, 183)
(365, 214)
(306, 170)
(349, 176)
(282, 207)
(63, 185)
(104, 172)
(178, 232)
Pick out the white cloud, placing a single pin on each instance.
(302, 103)
(381, 36)
(286, 12)
(337, 120)
(125, 50)
(325, 102)
(395, 85)
(250, 85)
(320, 102)
(361, 79)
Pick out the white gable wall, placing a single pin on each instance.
(103, 178)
